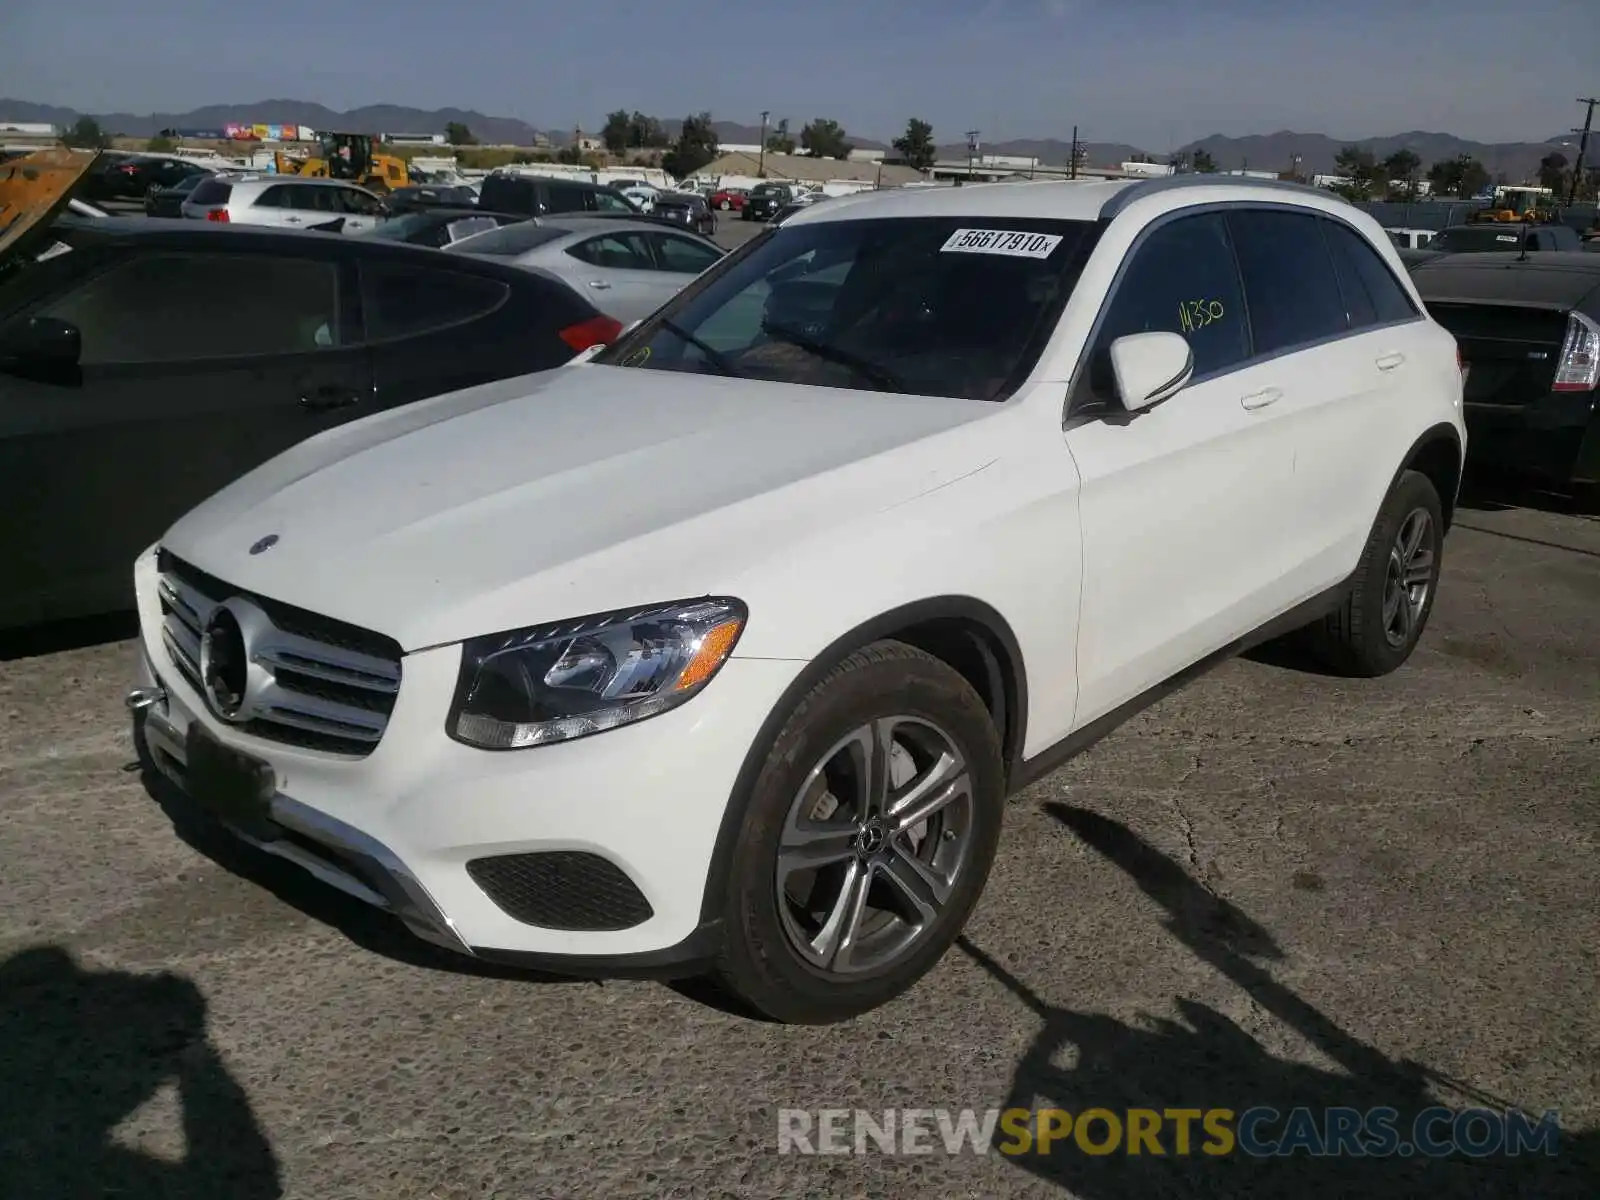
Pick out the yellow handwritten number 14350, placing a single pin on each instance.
(1197, 314)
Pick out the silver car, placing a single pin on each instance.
(284, 202)
(626, 269)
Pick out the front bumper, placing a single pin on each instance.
(398, 828)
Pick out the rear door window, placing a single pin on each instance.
(615, 252)
(1373, 296)
(405, 301)
(1289, 280)
(358, 203)
(171, 307)
(1182, 279)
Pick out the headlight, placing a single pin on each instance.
(553, 683)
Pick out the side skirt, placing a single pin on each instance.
(1029, 771)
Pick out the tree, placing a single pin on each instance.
(1401, 167)
(570, 155)
(780, 140)
(696, 146)
(616, 130)
(1360, 168)
(824, 138)
(1553, 172)
(915, 146)
(645, 133)
(1202, 163)
(1474, 176)
(161, 144)
(86, 134)
(458, 134)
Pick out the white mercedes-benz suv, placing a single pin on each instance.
(719, 651)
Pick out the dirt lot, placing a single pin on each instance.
(1274, 888)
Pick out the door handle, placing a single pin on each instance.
(1389, 362)
(598, 283)
(1262, 398)
(330, 396)
(293, 220)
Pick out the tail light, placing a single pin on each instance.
(217, 214)
(1578, 369)
(596, 331)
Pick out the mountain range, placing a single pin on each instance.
(1272, 151)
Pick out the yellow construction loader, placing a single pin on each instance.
(348, 156)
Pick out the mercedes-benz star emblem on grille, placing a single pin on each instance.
(224, 664)
(264, 544)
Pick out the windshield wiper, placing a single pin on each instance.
(713, 356)
(866, 368)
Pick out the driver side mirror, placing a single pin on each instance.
(42, 346)
(1150, 368)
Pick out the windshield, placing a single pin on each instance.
(934, 306)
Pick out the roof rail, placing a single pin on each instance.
(1149, 187)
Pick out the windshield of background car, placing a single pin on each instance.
(934, 306)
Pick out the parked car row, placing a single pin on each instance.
(198, 349)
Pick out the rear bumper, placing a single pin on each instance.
(1555, 438)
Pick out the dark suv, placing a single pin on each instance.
(537, 196)
(766, 199)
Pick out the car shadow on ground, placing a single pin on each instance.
(54, 637)
(80, 1052)
(370, 928)
(1208, 1061)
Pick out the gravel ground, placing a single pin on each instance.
(1273, 888)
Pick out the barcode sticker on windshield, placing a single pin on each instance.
(1001, 241)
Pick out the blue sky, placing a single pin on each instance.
(1156, 73)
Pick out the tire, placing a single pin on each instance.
(1371, 633)
(940, 736)
(724, 206)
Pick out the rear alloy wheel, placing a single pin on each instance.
(1377, 627)
(867, 840)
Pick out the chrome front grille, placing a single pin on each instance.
(315, 682)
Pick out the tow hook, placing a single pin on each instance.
(145, 697)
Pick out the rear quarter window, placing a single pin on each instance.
(399, 300)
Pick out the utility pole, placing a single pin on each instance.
(1583, 146)
(761, 162)
(972, 151)
(1072, 167)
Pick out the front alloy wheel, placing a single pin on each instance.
(865, 839)
(873, 845)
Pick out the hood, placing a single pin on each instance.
(574, 491)
(33, 189)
